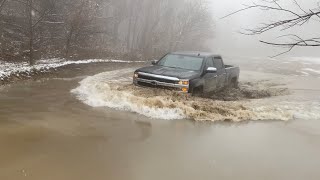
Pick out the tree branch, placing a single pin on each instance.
(298, 19)
(314, 42)
(262, 7)
(2, 4)
(46, 12)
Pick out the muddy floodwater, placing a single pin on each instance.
(90, 123)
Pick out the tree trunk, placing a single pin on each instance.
(129, 35)
(31, 51)
(134, 35)
(2, 4)
(68, 43)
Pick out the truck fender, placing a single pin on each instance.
(196, 83)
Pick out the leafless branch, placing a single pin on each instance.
(44, 14)
(313, 42)
(297, 19)
(262, 7)
(276, 2)
(314, 13)
(298, 5)
(2, 4)
(28, 5)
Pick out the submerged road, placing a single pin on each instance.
(47, 133)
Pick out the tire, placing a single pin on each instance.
(197, 91)
(234, 83)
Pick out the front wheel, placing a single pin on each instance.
(197, 91)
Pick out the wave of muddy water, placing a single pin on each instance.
(254, 100)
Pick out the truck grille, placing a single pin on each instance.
(158, 86)
(157, 79)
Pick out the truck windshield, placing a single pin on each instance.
(182, 62)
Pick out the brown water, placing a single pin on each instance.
(47, 133)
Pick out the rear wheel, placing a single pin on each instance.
(234, 83)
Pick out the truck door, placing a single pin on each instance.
(221, 72)
(210, 79)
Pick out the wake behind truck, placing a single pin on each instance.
(191, 72)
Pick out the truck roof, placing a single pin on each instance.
(196, 53)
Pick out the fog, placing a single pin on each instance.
(141, 29)
(229, 41)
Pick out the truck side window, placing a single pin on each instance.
(218, 63)
(209, 63)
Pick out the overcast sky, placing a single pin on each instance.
(229, 41)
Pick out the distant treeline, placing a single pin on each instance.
(140, 29)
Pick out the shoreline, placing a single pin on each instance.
(14, 72)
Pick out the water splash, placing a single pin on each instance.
(114, 89)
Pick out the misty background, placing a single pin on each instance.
(140, 29)
(228, 41)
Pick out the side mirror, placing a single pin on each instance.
(154, 62)
(211, 70)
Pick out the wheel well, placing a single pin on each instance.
(197, 91)
(198, 87)
(235, 79)
(234, 82)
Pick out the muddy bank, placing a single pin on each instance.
(33, 74)
(65, 71)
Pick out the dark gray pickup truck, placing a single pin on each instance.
(192, 72)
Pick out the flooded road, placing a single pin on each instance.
(51, 129)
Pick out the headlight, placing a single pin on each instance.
(185, 89)
(184, 82)
(136, 75)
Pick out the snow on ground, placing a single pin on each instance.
(8, 69)
(305, 66)
(306, 60)
(312, 70)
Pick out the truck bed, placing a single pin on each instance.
(228, 66)
(232, 73)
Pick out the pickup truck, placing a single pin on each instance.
(190, 72)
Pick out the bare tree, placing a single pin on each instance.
(2, 4)
(20, 25)
(33, 29)
(195, 24)
(79, 22)
(291, 19)
(35, 17)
